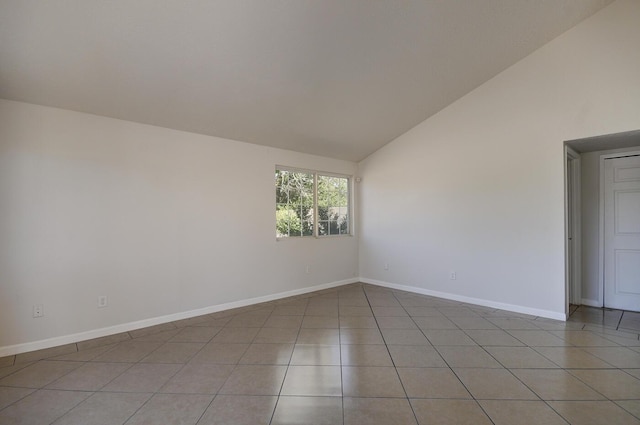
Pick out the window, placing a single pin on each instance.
(311, 204)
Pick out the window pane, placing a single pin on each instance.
(333, 205)
(294, 200)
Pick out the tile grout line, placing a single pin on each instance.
(340, 355)
(363, 288)
(284, 378)
(446, 362)
(389, 352)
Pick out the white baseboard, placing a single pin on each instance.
(478, 301)
(591, 303)
(11, 350)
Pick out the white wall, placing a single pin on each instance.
(478, 188)
(165, 222)
(160, 221)
(590, 223)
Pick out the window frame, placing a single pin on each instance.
(350, 199)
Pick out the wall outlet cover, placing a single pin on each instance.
(102, 301)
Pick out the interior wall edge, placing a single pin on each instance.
(477, 301)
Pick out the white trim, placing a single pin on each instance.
(573, 285)
(601, 222)
(312, 171)
(470, 300)
(11, 350)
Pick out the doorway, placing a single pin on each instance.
(584, 215)
(572, 233)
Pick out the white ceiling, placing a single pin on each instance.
(338, 78)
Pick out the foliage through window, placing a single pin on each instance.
(311, 204)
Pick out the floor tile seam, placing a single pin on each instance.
(515, 376)
(252, 309)
(58, 390)
(151, 395)
(203, 412)
(492, 356)
(341, 374)
(546, 402)
(160, 392)
(615, 344)
(627, 330)
(463, 384)
(634, 323)
(284, 378)
(590, 386)
(18, 370)
(134, 362)
(72, 407)
(422, 331)
(626, 349)
(488, 353)
(275, 405)
(301, 396)
(217, 391)
(625, 371)
(478, 399)
(620, 320)
(415, 416)
(101, 387)
(484, 411)
(15, 356)
(535, 348)
(52, 381)
(296, 341)
(637, 416)
(21, 398)
(153, 333)
(375, 397)
(584, 400)
(636, 335)
(465, 331)
(13, 360)
(569, 369)
(204, 344)
(140, 362)
(572, 375)
(183, 366)
(531, 330)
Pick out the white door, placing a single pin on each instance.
(622, 233)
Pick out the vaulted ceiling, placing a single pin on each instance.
(338, 78)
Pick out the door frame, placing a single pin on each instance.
(573, 249)
(601, 221)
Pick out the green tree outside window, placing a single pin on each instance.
(311, 204)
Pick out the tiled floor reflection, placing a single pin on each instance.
(358, 354)
(628, 321)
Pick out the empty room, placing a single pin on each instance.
(244, 212)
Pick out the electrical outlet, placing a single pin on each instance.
(38, 310)
(308, 269)
(386, 266)
(452, 275)
(102, 301)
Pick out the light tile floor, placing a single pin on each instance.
(358, 354)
